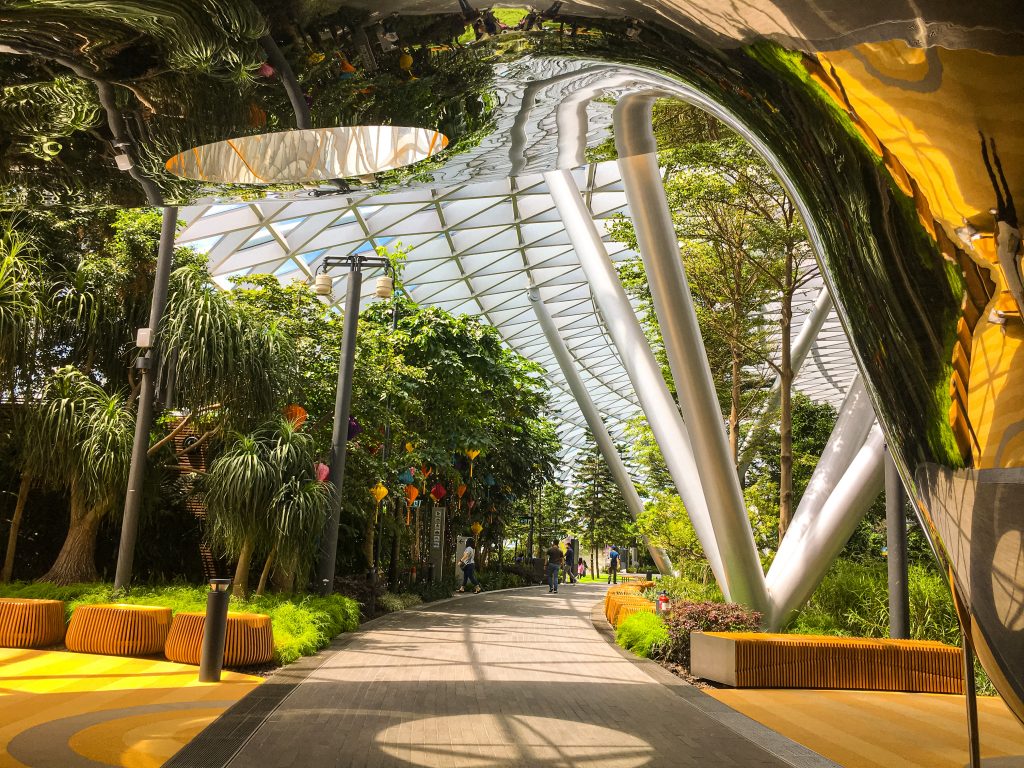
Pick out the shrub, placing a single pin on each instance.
(686, 617)
(644, 634)
(391, 601)
(687, 589)
(429, 591)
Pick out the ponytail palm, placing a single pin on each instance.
(262, 497)
(79, 438)
(20, 305)
(222, 352)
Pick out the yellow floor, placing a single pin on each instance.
(59, 708)
(871, 729)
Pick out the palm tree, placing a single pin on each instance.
(79, 438)
(262, 496)
(21, 291)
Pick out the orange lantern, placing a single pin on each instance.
(460, 490)
(426, 471)
(378, 492)
(411, 492)
(296, 414)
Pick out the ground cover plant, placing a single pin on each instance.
(645, 634)
(303, 624)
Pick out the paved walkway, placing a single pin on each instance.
(514, 678)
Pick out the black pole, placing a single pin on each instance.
(896, 544)
(146, 365)
(971, 697)
(215, 627)
(339, 436)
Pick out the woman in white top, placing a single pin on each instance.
(468, 565)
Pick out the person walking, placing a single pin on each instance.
(555, 559)
(581, 569)
(570, 558)
(468, 565)
(613, 566)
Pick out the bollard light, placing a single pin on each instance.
(215, 626)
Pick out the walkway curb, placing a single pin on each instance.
(777, 745)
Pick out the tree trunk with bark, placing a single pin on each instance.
(368, 538)
(242, 567)
(267, 567)
(76, 562)
(734, 406)
(12, 536)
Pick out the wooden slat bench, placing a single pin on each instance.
(761, 660)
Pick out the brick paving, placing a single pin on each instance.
(514, 678)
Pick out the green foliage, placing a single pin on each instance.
(645, 634)
(685, 617)
(302, 624)
(686, 588)
(390, 601)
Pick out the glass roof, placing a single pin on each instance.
(471, 248)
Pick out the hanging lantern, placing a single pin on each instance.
(489, 480)
(295, 414)
(476, 528)
(438, 492)
(472, 503)
(460, 490)
(406, 477)
(411, 492)
(379, 491)
(346, 66)
(409, 447)
(385, 287)
(405, 61)
(265, 70)
(354, 427)
(322, 471)
(426, 471)
(472, 453)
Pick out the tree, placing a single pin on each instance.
(598, 509)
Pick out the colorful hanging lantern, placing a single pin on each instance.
(411, 492)
(406, 477)
(354, 428)
(322, 471)
(426, 471)
(409, 447)
(295, 414)
(460, 490)
(472, 503)
(379, 491)
(438, 492)
(405, 61)
(489, 480)
(472, 453)
(476, 528)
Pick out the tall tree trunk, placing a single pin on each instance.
(76, 561)
(786, 418)
(283, 578)
(267, 566)
(416, 543)
(242, 567)
(396, 555)
(734, 408)
(12, 537)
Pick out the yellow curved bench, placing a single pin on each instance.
(249, 639)
(118, 629)
(26, 623)
(625, 611)
(615, 603)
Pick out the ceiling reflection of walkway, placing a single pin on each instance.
(517, 678)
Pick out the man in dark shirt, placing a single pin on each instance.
(570, 558)
(555, 558)
(613, 562)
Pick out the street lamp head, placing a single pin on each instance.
(323, 284)
(220, 585)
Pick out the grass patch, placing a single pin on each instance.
(645, 634)
(303, 624)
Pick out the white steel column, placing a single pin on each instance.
(806, 554)
(597, 427)
(684, 346)
(801, 347)
(644, 373)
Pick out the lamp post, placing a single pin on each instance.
(343, 400)
(211, 658)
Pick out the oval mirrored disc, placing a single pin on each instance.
(316, 154)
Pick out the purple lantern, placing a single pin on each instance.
(354, 427)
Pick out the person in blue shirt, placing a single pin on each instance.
(613, 568)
